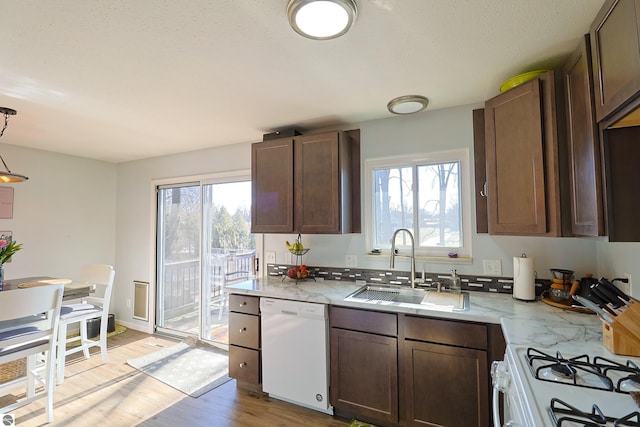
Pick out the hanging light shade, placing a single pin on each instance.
(7, 175)
(321, 19)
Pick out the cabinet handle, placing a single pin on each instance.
(243, 364)
(242, 304)
(483, 192)
(242, 330)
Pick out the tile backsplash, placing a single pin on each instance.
(395, 277)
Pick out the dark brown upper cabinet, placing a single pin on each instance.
(307, 184)
(527, 186)
(480, 171)
(585, 173)
(616, 55)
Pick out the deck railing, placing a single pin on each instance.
(181, 280)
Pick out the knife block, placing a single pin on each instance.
(622, 336)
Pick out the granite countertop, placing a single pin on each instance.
(523, 323)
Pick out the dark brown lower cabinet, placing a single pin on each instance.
(365, 368)
(444, 385)
(411, 370)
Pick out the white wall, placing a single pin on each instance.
(136, 211)
(75, 211)
(437, 130)
(64, 215)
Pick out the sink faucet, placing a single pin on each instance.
(412, 256)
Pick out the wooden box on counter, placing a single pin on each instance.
(623, 335)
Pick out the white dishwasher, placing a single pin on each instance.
(295, 352)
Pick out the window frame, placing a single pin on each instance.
(413, 161)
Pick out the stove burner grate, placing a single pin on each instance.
(564, 414)
(571, 369)
(630, 373)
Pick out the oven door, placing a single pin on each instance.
(513, 405)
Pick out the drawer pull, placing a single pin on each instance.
(242, 330)
(243, 303)
(243, 364)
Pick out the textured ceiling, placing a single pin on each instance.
(120, 80)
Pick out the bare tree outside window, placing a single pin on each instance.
(436, 196)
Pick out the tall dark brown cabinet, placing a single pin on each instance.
(525, 152)
(587, 211)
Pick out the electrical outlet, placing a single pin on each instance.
(351, 261)
(628, 286)
(492, 267)
(270, 257)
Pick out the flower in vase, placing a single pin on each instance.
(8, 247)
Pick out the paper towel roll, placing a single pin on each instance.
(524, 278)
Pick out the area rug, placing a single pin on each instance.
(191, 366)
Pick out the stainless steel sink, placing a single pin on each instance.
(401, 296)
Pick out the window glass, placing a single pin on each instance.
(439, 205)
(426, 194)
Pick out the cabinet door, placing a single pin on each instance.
(321, 183)
(272, 186)
(364, 375)
(445, 386)
(480, 167)
(584, 152)
(515, 161)
(616, 55)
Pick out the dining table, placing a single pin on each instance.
(72, 289)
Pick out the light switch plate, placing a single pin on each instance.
(270, 257)
(351, 261)
(492, 267)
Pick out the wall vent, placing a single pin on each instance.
(140, 300)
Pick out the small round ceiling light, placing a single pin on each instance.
(321, 19)
(408, 104)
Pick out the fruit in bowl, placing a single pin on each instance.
(301, 272)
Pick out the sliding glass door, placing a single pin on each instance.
(203, 244)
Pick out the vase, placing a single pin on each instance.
(1, 275)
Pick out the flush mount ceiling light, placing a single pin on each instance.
(408, 104)
(321, 19)
(7, 176)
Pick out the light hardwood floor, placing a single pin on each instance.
(115, 394)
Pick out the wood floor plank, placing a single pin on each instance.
(115, 394)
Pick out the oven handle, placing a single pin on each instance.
(496, 407)
(501, 379)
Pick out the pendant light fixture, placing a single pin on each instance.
(321, 19)
(8, 176)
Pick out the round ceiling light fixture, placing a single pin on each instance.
(321, 19)
(408, 104)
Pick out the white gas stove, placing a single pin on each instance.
(546, 388)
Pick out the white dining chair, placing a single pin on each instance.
(100, 276)
(29, 329)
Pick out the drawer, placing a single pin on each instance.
(244, 330)
(244, 304)
(375, 322)
(450, 332)
(244, 364)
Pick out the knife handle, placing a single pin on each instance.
(600, 302)
(613, 288)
